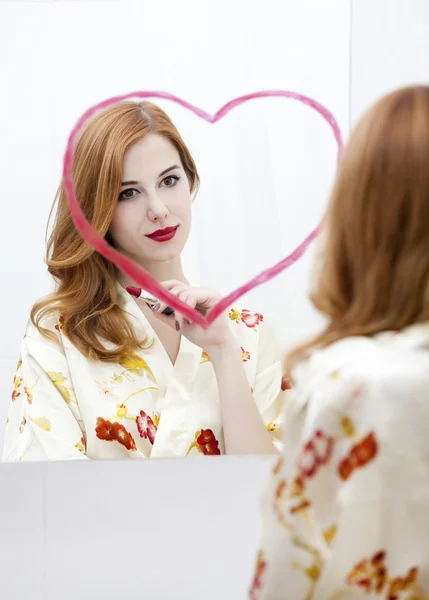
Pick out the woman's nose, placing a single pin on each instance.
(157, 210)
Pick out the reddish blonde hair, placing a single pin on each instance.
(374, 268)
(86, 294)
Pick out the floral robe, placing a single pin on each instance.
(65, 406)
(346, 510)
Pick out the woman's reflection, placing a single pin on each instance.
(103, 375)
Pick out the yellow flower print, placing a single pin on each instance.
(135, 364)
(18, 366)
(329, 534)
(347, 426)
(245, 355)
(155, 418)
(121, 410)
(117, 378)
(234, 315)
(80, 445)
(204, 357)
(314, 570)
(28, 394)
(43, 423)
(58, 380)
(271, 426)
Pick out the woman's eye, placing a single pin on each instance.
(127, 194)
(170, 181)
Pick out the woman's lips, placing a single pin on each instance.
(163, 235)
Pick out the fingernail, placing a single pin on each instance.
(156, 306)
(177, 326)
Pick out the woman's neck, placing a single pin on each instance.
(161, 271)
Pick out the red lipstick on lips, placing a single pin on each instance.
(163, 235)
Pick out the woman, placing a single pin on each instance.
(346, 512)
(102, 375)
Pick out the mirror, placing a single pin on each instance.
(266, 168)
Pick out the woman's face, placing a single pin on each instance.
(152, 218)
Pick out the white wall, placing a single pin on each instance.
(161, 529)
(58, 58)
(390, 48)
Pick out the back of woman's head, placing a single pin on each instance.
(373, 273)
(87, 293)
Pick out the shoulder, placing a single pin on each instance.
(369, 358)
(49, 330)
(366, 376)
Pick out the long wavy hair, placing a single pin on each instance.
(373, 274)
(86, 294)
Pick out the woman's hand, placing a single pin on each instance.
(204, 299)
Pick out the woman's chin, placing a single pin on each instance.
(167, 252)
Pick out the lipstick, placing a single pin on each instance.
(146, 297)
(163, 235)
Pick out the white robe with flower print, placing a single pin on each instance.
(346, 510)
(65, 406)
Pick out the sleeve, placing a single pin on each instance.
(345, 511)
(270, 389)
(44, 421)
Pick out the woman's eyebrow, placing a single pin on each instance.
(160, 175)
(169, 169)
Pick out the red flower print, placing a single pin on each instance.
(60, 325)
(123, 437)
(22, 425)
(372, 576)
(401, 584)
(257, 579)
(285, 384)
(245, 356)
(278, 466)
(369, 575)
(360, 455)
(16, 385)
(316, 453)
(251, 319)
(301, 506)
(110, 432)
(146, 427)
(298, 487)
(206, 442)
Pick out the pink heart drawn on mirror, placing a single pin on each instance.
(137, 273)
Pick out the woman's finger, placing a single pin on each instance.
(186, 297)
(160, 307)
